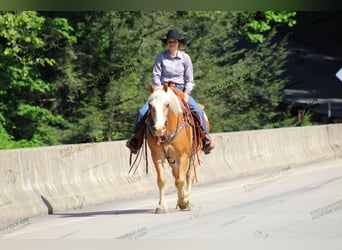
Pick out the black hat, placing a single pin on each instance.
(173, 34)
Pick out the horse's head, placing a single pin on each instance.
(160, 102)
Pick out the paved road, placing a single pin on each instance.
(303, 202)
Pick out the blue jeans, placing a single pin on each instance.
(193, 107)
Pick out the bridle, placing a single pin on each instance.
(166, 138)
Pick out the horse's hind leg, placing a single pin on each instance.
(190, 176)
(162, 207)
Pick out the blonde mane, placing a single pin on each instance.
(168, 96)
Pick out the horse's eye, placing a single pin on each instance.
(167, 105)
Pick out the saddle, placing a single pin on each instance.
(191, 117)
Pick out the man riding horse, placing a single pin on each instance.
(173, 66)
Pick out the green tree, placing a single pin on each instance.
(246, 81)
(73, 77)
(26, 118)
(254, 25)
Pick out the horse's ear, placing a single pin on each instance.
(151, 89)
(165, 87)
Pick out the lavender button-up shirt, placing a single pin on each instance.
(177, 69)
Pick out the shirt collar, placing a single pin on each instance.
(178, 56)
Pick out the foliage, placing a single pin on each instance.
(255, 24)
(72, 77)
(26, 117)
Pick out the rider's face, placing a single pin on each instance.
(172, 44)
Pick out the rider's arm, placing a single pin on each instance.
(157, 70)
(188, 74)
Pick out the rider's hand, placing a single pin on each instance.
(186, 97)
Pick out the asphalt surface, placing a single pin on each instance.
(302, 202)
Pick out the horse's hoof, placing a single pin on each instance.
(184, 206)
(161, 210)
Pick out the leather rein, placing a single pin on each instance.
(168, 137)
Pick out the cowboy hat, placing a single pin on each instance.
(173, 34)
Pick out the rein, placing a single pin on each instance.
(168, 138)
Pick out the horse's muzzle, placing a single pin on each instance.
(159, 130)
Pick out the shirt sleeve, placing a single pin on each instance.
(188, 74)
(157, 70)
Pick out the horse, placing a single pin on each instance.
(170, 138)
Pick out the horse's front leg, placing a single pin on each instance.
(180, 175)
(162, 207)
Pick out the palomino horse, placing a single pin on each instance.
(170, 137)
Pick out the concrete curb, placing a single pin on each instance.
(39, 181)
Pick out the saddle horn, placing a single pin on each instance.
(165, 87)
(151, 89)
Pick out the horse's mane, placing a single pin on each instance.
(170, 96)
